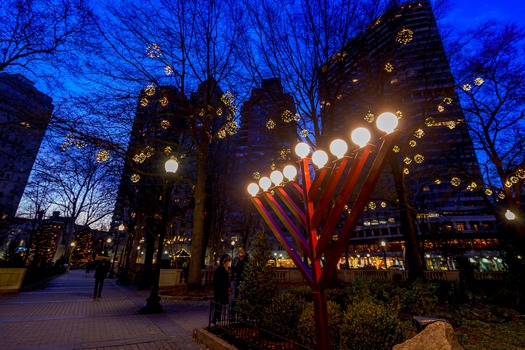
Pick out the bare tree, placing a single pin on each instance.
(490, 71)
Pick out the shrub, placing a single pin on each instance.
(306, 326)
(370, 326)
(283, 314)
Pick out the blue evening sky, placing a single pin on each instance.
(465, 13)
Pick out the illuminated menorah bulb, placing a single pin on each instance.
(320, 158)
(265, 183)
(510, 215)
(277, 177)
(361, 136)
(338, 148)
(290, 172)
(302, 149)
(253, 189)
(171, 165)
(387, 122)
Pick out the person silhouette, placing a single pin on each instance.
(101, 272)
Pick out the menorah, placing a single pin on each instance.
(310, 208)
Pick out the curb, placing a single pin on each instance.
(210, 340)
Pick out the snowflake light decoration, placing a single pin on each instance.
(389, 67)
(419, 133)
(270, 124)
(139, 158)
(404, 36)
(451, 124)
(467, 87)
(455, 181)
(287, 116)
(231, 127)
(412, 143)
(102, 156)
(418, 158)
(153, 50)
(135, 178)
(396, 149)
(479, 81)
(372, 205)
(149, 90)
(369, 117)
(165, 124)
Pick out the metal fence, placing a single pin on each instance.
(246, 332)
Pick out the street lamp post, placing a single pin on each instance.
(383, 245)
(233, 247)
(115, 251)
(153, 305)
(321, 203)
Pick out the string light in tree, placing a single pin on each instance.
(304, 133)
(369, 117)
(479, 81)
(389, 67)
(508, 184)
(168, 150)
(406, 171)
(455, 181)
(149, 90)
(256, 175)
(102, 156)
(467, 87)
(219, 112)
(447, 100)
(412, 143)
(163, 101)
(501, 195)
(270, 124)
(287, 116)
(165, 124)
(407, 160)
(231, 127)
(437, 182)
(430, 121)
(440, 108)
(144, 102)
(153, 50)
(451, 124)
(168, 70)
(418, 158)
(520, 173)
(514, 179)
(396, 149)
(221, 134)
(383, 204)
(419, 133)
(135, 178)
(372, 205)
(228, 99)
(488, 192)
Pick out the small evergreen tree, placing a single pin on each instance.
(258, 287)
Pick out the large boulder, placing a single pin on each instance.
(437, 335)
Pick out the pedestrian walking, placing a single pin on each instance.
(101, 272)
(221, 288)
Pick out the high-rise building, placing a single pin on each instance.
(267, 128)
(399, 64)
(24, 115)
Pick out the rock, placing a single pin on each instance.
(438, 335)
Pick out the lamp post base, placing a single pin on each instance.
(152, 306)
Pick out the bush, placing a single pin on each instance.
(283, 314)
(370, 326)
(306, 326)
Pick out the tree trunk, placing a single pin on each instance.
(197, 236)
(413, 258)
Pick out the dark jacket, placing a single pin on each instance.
(221, 285)
(101, 269)
(237, 268)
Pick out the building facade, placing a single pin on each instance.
(24, 115)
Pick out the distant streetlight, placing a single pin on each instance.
(121, 229)
(383, 244)
(153, 305)
(233, 247)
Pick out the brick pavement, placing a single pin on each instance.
(63, 316)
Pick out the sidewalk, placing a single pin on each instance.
(63, 316)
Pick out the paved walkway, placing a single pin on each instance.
(63, 316)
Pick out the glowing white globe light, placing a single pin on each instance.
(387, 122)
(360, 136)
(171, 165)
(510, 215)
(265, 183)
(253, 189)
(302, 149)
(290, 172)
(338, 148)
(277, 177)
(320, 158)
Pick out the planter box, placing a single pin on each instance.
(11, 279)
